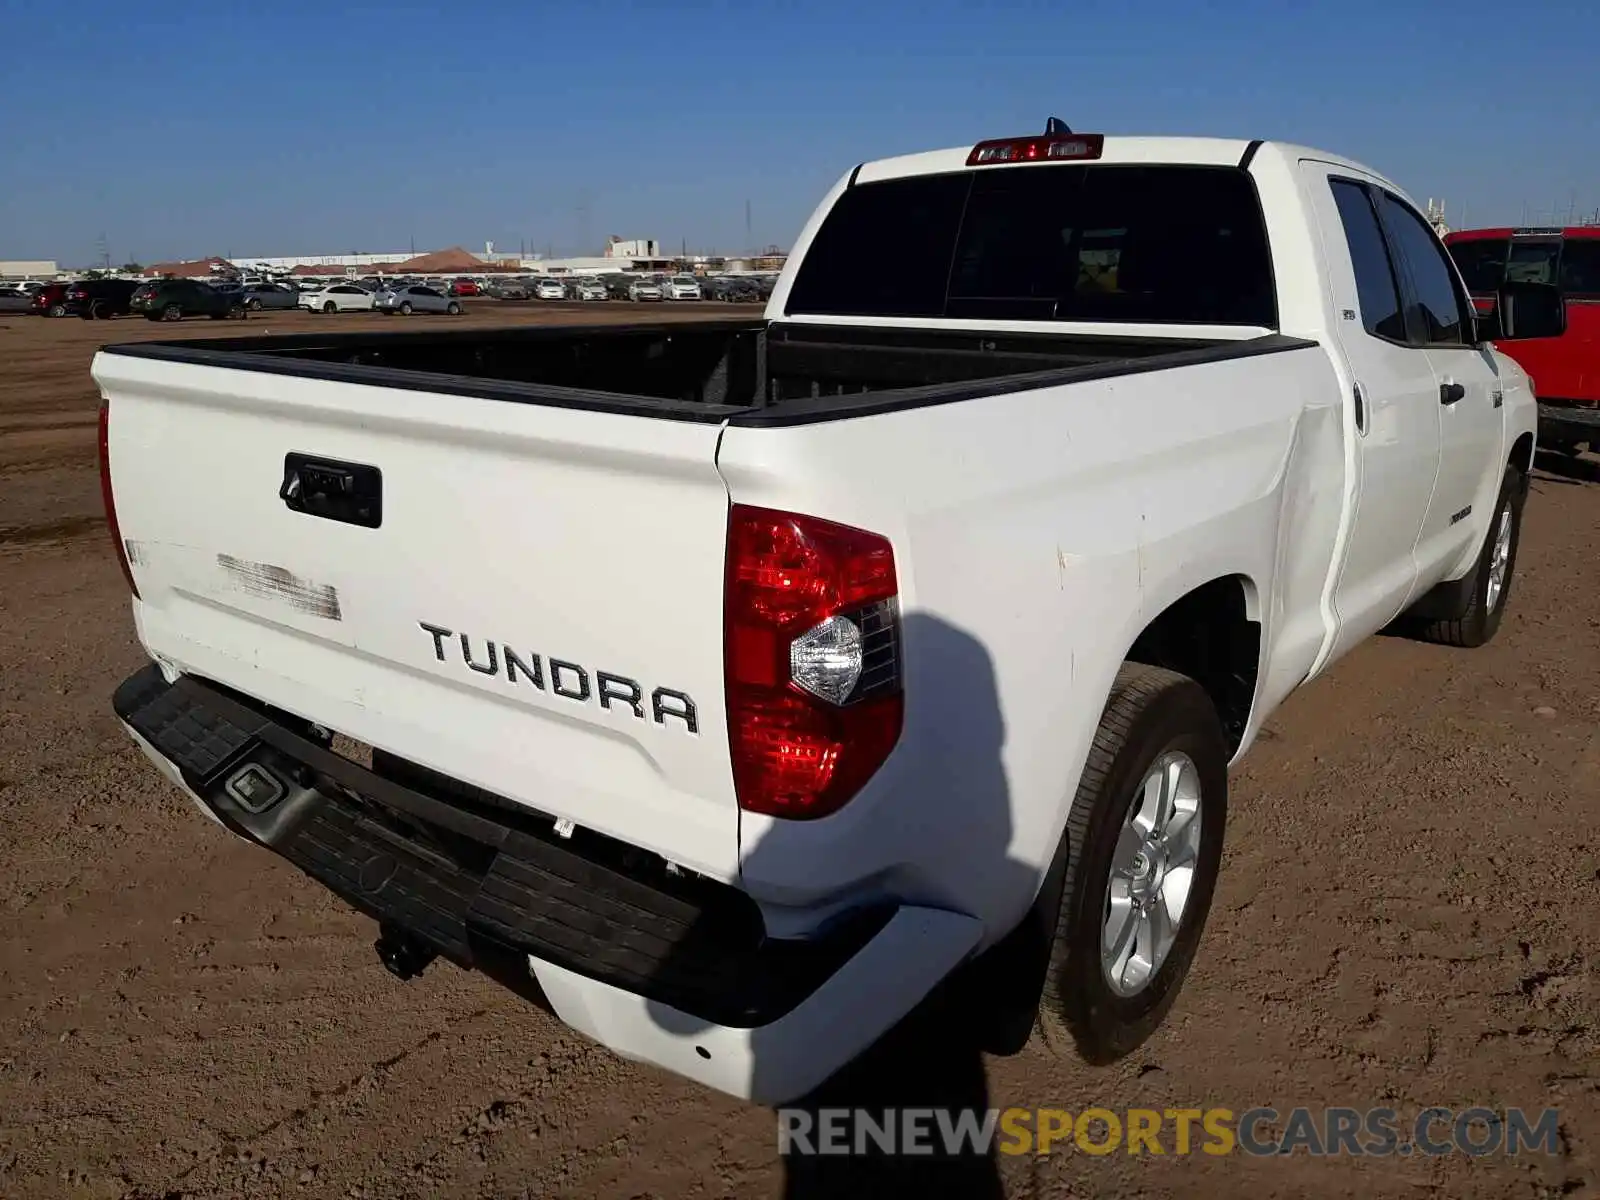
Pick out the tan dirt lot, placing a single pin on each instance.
(1409, 915)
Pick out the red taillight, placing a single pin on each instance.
(1053, 148)
(812, 660)
(109, 499)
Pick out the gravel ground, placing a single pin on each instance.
(1408, 916)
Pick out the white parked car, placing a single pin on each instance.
(644, 289)
(340, 297)
(591, 289)
(681, 287)
(550, 289)
(977, 582)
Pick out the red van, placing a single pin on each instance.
(1565, 370)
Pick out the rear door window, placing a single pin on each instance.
(1377, 288)
(1160, 243)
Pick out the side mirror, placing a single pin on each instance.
(1523, 311)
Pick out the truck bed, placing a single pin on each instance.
(749, 372)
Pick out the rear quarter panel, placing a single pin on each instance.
(1035, 534)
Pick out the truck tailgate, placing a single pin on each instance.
(533, 607)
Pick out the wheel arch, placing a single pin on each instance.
(1522, 455)
(1212, 634)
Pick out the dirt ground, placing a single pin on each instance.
(1409, 915)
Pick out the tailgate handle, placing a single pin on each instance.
(351, 493)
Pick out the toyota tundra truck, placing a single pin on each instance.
(727, 687)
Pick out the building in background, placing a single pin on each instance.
(638, 248)
(197, 268)
(28, 268)
(282, 263)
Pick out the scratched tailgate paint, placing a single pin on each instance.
(553, 547)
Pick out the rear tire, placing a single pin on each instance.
(1483, 603)
(172, 313)
(1157, 725)
(330, 307)
(58, 310)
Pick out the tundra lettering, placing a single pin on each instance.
(567, 679)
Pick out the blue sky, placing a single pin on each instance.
(264, 127)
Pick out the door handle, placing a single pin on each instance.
(1449, 393)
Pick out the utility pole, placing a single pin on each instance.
(749, 242)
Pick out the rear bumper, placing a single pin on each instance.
(661, 967)
(1567, 423)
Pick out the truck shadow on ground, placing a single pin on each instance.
(933, 1057)
(1565, 468)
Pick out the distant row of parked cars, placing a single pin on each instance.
(175, 299)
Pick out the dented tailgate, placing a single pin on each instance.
(526, 598)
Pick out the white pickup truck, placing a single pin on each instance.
(729, 686)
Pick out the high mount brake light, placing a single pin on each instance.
(812, 660)
(1073, 147)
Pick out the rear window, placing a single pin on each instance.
(1169, 244)
(1481, 261)
(1533, 262)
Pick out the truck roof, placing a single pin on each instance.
(1203, 151)
(1525, 231)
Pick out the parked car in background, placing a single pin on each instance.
(51, 300)
(465, 287)
(681, 287)
(1565, 369)
(15, 299)
(175, 299)
(550, 289)
(508, 289)
(102, 299)
(590, 289)
(415, 297)
(644, 289)
(341, 297)
(269, 296)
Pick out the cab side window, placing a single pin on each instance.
(1377, 290)
(1580, 267)
(1439, 315)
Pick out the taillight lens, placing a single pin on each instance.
(109, 498)
(812, 656)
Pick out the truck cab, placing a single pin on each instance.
(1565, 370)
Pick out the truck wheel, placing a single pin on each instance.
(1145, 845)
(1483, 601)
